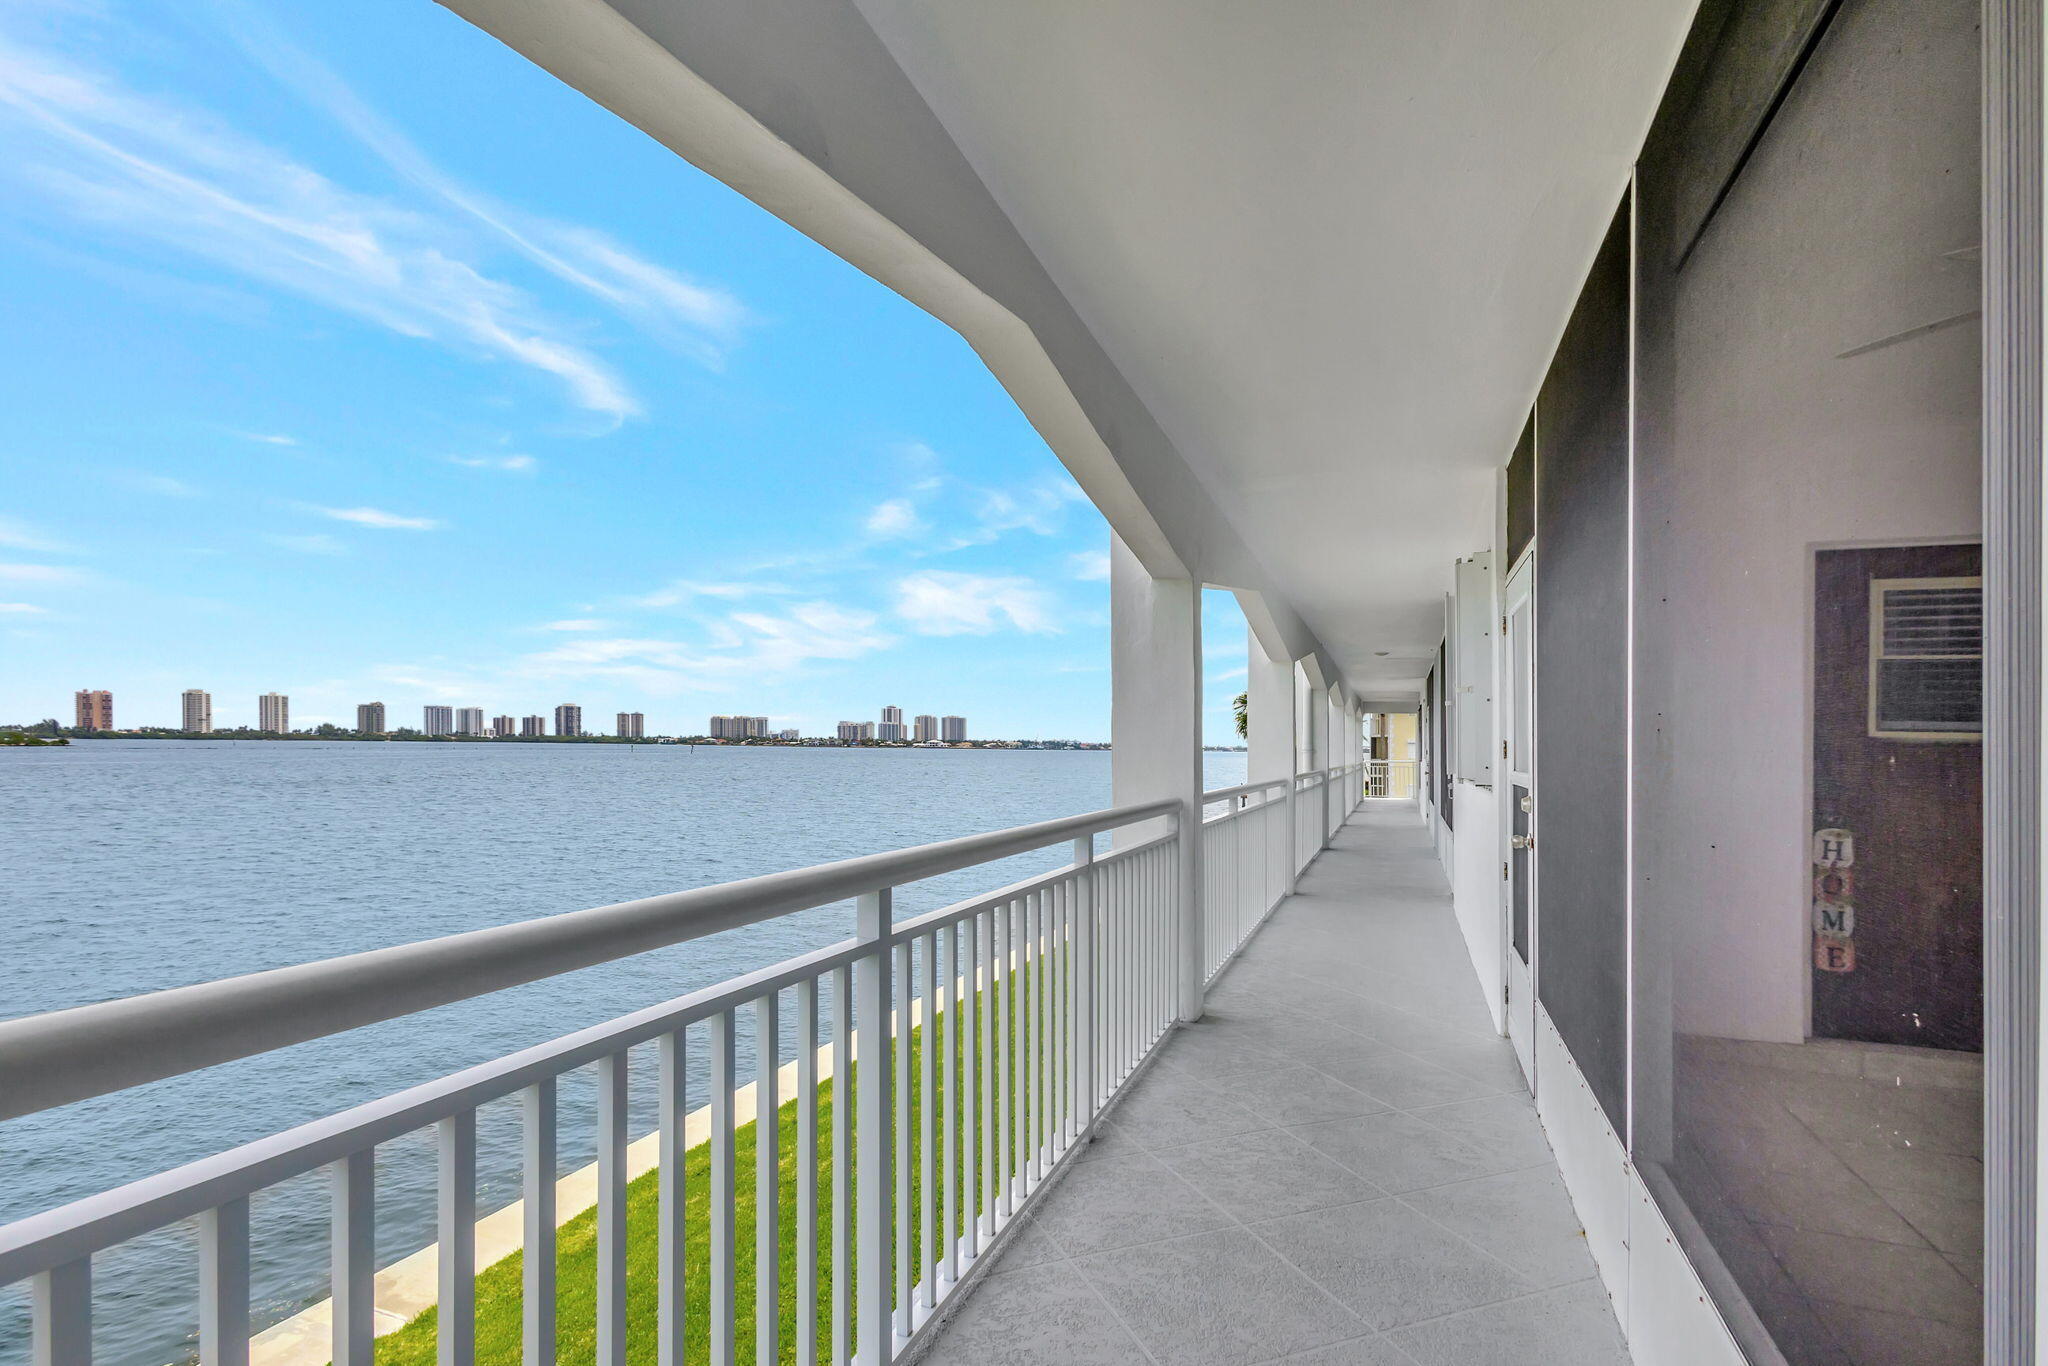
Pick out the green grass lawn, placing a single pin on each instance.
(499, 1292)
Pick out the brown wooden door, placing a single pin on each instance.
(1897, 834)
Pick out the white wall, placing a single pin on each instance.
(1841, 231)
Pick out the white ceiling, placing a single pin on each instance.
(1329, 245)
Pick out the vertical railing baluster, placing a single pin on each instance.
(61, 1309)
(1041, 1085)
(224, 1284)
(455, 1226)
(927, 1104)
(843, 1105)
(1028, 969)
(875, 1140)
(537, 1266)
(1065, 1085)
(672, 1198)
(1041, 1048)
(611, 1210)
(767, 1180)
(807, 1171)
(906, 1171)
(974, 1116)
(352, 1250)
(1005, 984)
(1027, 1043)
(1084, 982)
(724, 1193)
(949, 1210)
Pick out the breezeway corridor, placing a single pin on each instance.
(1339, 1165)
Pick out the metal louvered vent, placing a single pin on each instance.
(1927, 664)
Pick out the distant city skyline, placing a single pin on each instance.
(94, 711)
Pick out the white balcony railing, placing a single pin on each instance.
(1396, 778)
(1011, 1020)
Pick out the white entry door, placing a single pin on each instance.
(1518, 825)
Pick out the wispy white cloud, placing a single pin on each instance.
(677, 592)
(510, 464)
(318, 543)
(577, 624)
(1040, 508)
(17, 534)
(895, 518)
(39, 573)
(946, 604)
(162, 485)
(1090, 566)
(376, 517)
(22, 609)
(158, 171)
(754, 646)
(700, 319)
(269, 438)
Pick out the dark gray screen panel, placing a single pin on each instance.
(1582, 678)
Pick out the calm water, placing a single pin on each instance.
(136, 865)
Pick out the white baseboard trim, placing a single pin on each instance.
(1658, 1297)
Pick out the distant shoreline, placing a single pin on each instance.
(44, 737)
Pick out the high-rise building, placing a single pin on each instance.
(469, 720)
(892, 716)
(789, 734)
(925, 728)
(198, 711)
(568, 719)
(533, 727)
(738, 727)
(437, 720)
(952, 729)
(95, 709)
(892, 727)
(274, 713)
(632, 725)
(856, 730)
(504, 726)
(370, 719)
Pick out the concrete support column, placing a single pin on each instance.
(1156, 730)
(1270, 740)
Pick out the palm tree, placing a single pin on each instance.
(1240, 710)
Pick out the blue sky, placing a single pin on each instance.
(352, 356)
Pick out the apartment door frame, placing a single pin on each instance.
(1519, 806)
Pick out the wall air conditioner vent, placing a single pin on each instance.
(1927, 659)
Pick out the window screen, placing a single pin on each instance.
(1927, 658)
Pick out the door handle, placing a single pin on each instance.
(1523, 841)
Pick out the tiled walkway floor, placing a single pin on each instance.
(1339, 1166)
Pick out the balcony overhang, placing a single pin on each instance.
(1276, 284)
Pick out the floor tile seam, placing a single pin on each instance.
(1485, 1176)
(1300, 1271)
(1229, 1218)
(1482, 1249)
(1537, 1293)
(1246, 1226)
(1374, 1334)
(1215, 1083)
(1925, 1244)
(1129, 1332)
(1852, 1309)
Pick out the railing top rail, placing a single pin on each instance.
(1226, 793)
(99, 1221)
(67, 1055)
